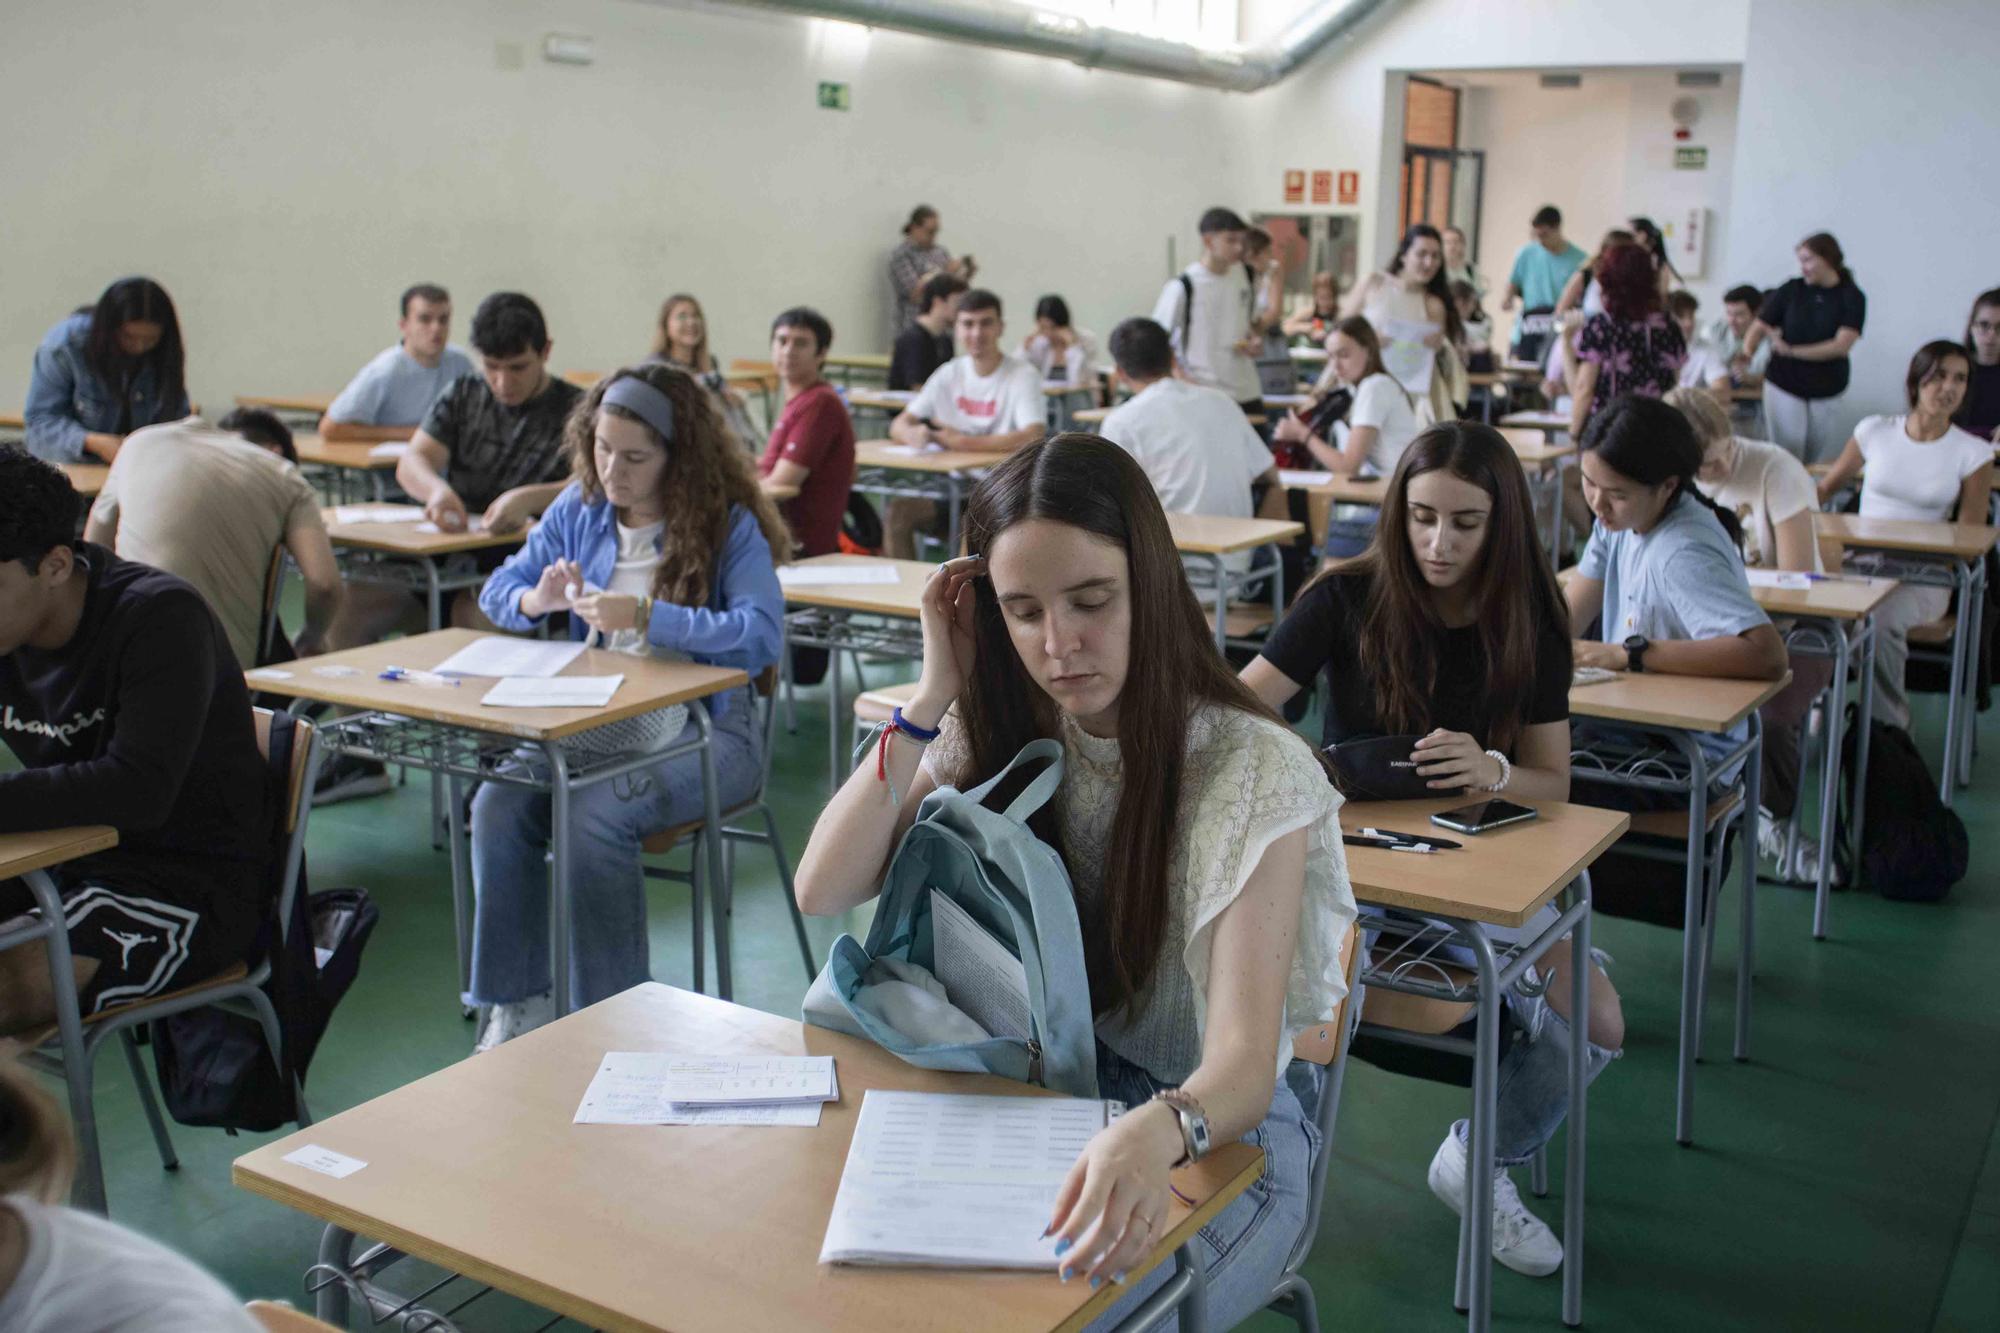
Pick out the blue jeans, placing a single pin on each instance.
(1247, 1243)
(608, 820)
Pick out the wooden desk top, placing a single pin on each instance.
(479, 1168)
(1063, 388)
(22, 852)
(1960, 541)
(1349, 490)
(1521, 368)
(1315, 355)
(88, 478)
(1542, 421)
(881, 453)
(1501, 877)
(315, 403)
(649, 684)
(404, 539)
(13, 421)
(903, 598)
(860, 361)
(1534, 447)
(1090, 416)
(1688, 703)
(886, 400)
(346, 454)
(1205, 534)
(1849, 597)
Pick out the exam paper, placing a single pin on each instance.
(912, 450)
(956, 1180)
(1405, 356)
(980, 974)
(1778, 578)
(1294, 477)
(390, 449)
(820, 576)
(475, 525)
(1287, 399)
(552, 691)
(378, 513)
(497, 655)
(639, 1088)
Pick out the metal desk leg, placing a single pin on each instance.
(954, 508)
(461, 886)
(1831, 727)
(718, 881)
(559, 886)
(1970, 731)
(1221, 603)
(1556, 513)
(836, 724)
(336, 1250)
(1864, 725)
(1746, 960)
(1692, 938)
(1478, 1251)
(1573, 1173)
(88, 1192)
(434, 602)
(1960, 643)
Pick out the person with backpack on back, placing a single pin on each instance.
(1199, 831)
(1208, 310)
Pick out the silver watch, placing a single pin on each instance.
(1195, 1138)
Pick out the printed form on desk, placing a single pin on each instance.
(820, 576)
(947, 1180)
(499, 655)
(655, 1088)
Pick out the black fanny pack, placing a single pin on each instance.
(1378, 768)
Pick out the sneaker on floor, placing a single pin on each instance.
(1804, 865)
(1521, 1241)
(504, 1022)
(1774, 842)
(343, 777)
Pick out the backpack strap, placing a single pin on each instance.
(1037, 793)
(1187, 308)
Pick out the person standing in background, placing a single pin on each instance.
(1811, 323)
(1207, 308)
(915, 258)
(1541, 268)
(104, 372)
(1981, 412)
(1458, 266)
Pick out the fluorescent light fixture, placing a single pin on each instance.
(1065, 25)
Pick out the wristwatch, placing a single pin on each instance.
(1635, 651)
(1195, 1139)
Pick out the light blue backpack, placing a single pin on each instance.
(1013, 885)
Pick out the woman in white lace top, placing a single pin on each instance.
(1199, 831)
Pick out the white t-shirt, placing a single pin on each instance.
(1705, 365)
(82, 1274)
(1197, 448)
(1914, 479)
(1220, 319)
(1768, 486)
(959, 397)
(632, 575)
(1073, 366)
(1379, 401)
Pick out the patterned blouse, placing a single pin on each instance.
(1632, 356)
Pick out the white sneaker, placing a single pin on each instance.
(504, 1022)
(1774, 843)
(1521, 1241)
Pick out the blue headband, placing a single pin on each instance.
(643, 401)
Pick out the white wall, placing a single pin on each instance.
(287, 170)
(1601, 153)
(1893, 168)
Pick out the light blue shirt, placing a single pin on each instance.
(1682, 580)
(393, 390)
(1541, 275)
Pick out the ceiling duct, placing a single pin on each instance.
(1019, 27)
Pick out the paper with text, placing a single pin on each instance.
(378, 514)
(1405, 356)
(390, 449)
(474, 526)
(1778, 578)
(1294, 477)
(954, 1180)
(325, 1161)
(980, 974)
(630, 1088)
(552, 691)
(912, 450)
(495, 655)
(820, 576)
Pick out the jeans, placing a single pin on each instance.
(608, 820)
(1248, 1243)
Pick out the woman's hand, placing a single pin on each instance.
(608, 612)
(1588, 653)
(1779, 347)
(946, 613)
(1113, 1204)
(551, 591)
(1291, 429)
(1454, 761)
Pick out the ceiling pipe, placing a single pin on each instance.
(1022, 27)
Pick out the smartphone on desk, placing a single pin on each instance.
(1482, 815)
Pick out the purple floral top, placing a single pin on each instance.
(1632, 356)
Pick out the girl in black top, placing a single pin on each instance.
(1450, 628)
(1812, 322)
(1981, 412)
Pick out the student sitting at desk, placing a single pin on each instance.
(103, 372)
(390, 396)
(1921, 467)
(1380, 424)
(808, 465)
(211, 504)
(1450, 629)
(1057, 349)
(125, 706)
(668, 543)
(925, 344)
(1662, 574)
(982, 401)
(681, 341)
(1198, 829)
(1312, 320)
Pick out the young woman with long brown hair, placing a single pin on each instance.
(681, 341)
(661, 545)
(1450, 629)
(1199, 832)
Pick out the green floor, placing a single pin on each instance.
(1848, 1177)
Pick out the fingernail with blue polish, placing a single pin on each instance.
(1096, 1282)
(1062, 1247)
(1119, 1278)
(1067, 1275)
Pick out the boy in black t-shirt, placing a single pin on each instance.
(120, 696)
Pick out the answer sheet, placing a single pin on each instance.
(552, 691)
(1295, 477)
(497, 655)
(957, 1181)
(820, 576)
(378, 514)
(642, 1087)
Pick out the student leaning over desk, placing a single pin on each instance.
(1199, 832)
(668, 541)
(105, 371)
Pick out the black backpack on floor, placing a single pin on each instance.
(1913, 846)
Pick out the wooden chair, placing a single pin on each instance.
(279, 1318)
(267, 618)
(238, 988)
(666, 840)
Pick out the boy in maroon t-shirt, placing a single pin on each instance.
(808, 466)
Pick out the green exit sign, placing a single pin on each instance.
(834, 97)
(1685, 158)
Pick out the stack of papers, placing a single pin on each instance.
(1296, 477)
(378, 514)
(819, 576)
(1778, 578)
(390, 449)
(498, 655)
(651, 1088)
(552, 692)
(955, 1181)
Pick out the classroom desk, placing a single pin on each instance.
(1214, 539)
(421, 561)
(87, 478)
(340, 461)
(1092, 416)
(1662, 716)
(1544, 461)
(877, 618)
(449, 733)
(13, 426)
(698, 1229)
(1502, 878)
(1550, 424)
(873, 365)
(1949, 555)
(889, 401)
(29, 857)
(305, 406)
(883, 467)
(1308, 356)
(1834, 619)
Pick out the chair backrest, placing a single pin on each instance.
(297, 807)
(278, 1318)
(267, 617)
(1326, 1044)
(765, 683)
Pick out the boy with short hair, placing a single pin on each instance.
(121, 698)
(925, 344)
(1705, 367)
(809, 463)
(1739, 312)
(389, 396)
(1208, 310)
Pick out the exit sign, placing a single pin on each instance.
(834, 97)
(1685, 158)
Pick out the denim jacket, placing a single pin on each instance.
(66, 400)
(740, 627)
